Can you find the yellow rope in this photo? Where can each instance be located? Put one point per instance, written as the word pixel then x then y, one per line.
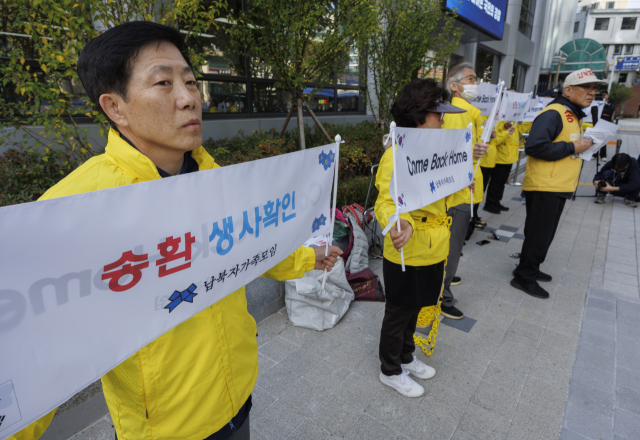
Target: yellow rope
pixel 431 315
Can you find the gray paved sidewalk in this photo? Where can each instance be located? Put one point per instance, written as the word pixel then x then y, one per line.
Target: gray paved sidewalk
pixel 507 371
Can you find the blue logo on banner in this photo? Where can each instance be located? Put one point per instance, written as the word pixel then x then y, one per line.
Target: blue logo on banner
pixel 470 177
pixel 433 187
pixel 468 136
pixel 177 297
pixel 320 221
pixel 326 159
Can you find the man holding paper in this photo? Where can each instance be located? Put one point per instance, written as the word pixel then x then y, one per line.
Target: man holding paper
pixel 552 174
pixel 195 381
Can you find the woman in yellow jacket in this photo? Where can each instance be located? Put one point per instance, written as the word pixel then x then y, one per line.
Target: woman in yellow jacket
pixel 488 161
pixel 424 237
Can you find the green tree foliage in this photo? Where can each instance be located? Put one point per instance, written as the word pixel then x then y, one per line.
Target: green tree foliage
pixel 300 42
pixel 619 94
pixel 405 32
pixel 40 85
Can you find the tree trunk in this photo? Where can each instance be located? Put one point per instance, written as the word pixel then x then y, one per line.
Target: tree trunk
pixel 315 119
pixel 300 124
pixel 286 122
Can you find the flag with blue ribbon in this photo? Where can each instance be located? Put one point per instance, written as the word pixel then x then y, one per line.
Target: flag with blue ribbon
pixel 177 297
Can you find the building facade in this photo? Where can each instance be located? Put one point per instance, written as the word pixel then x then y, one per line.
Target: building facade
pixel 616 26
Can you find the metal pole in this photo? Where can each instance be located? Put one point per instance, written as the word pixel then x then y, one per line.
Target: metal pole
pixel 515 182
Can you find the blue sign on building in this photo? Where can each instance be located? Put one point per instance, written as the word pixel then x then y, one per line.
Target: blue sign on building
pixel 627 63
pixel 487 16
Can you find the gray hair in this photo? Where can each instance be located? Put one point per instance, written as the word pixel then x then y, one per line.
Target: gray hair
pixel 455 74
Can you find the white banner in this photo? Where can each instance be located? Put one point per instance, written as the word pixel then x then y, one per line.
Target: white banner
pixel 536 105
pixel 599 105
pixel 513 106
pixel 487 94
pixel 87 280
pixel 431 164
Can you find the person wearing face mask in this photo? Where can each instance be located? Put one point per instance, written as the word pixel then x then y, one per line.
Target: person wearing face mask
pixel 425 238
pixel 463 84
pixel 552 174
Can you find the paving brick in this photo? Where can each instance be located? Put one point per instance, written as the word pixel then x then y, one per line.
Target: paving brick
pixel 628 329
pixel 347 356
pixel 518 432
pixel 557 375
pixel 600 316
pixel 327 375
pixel 483 423
pixel 456 381
pixel 277 349
pixel 537 418
pixel 495 399
pixel 594 376
pixel 304 397
pixel 447 406
pixel 336 416
pixel 533 331
pixel 544 394
pixel 570 435
pixel 461 435
pixel 506 377
pixel 628 378
pixel 621 289
pixel 368 428
pixel 589 399
pixel 309 430
pixel 627 424
pixel 596 358
pixel 592 426
pixel 598 342
pixel 361 390
pixel 628 279
pixel 628 359
pixel 275 323
pixel 301 361
pixel 628 400
pixel 606 330
pixel 255 435
pixel 277 421
pixel 276 380
pixel 600 304
pixel 260 400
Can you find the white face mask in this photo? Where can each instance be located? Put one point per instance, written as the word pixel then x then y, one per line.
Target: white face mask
pixel 470 92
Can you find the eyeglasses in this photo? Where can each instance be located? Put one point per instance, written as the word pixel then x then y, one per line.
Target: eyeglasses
pixel 588 88
pixel 471 78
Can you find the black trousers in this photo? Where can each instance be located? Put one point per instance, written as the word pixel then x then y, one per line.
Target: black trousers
pixel 396 338
pixel 499 177
pixel 487 175
pixel 543 215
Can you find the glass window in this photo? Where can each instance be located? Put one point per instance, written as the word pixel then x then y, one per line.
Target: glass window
pixel 269 99
pixel 622 78
pixel 576 26
pixel 602 24
pixel 611 5
pixel 347 73
pixel 484 65
pixel 517 77
pixel 526 17
pixel 349 101
pixel 628 49
pixel 629 23
pixel 321 101
pixel 223 97
pixel 605 47
pixel 617 49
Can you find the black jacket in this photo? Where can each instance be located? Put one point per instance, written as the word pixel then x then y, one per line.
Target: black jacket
pixel 546 128
pixel 627 181
pixel 608 111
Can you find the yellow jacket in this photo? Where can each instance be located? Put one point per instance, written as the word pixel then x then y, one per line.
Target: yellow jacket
pixel 462 120
pixel 489 159
pixel 191 381
pixel 559 175
pixel 429 243
pixel 508 150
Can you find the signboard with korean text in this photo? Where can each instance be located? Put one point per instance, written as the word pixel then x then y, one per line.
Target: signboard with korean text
pixel 487 95
pixel 488 16
pixel 628 63
pixel 431 164
pixel 513 106
pixel 536 105
pixel 87 280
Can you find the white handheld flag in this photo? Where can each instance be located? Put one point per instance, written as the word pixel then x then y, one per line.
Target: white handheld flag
pixel 487 95
pixel 513 106
pixel 536 105
pixel 87 280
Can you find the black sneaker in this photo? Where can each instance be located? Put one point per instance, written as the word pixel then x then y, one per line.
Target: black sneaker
pixel 451 312
pixel 532 289
pixel 490 209
pixel 503 208
pixel 540 277
pixel 543 277
pixel 456 281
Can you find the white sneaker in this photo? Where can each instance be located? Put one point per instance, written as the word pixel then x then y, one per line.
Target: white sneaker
pixel 419 369
pixel 403 384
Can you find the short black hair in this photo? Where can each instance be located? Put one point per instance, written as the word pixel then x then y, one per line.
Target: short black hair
pixel 415 100
pixel 621 160
pixel 106 62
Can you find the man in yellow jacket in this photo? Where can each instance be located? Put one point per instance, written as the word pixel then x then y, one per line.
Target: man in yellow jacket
pixel 195 381
pixel 552 174
pixel 462 83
